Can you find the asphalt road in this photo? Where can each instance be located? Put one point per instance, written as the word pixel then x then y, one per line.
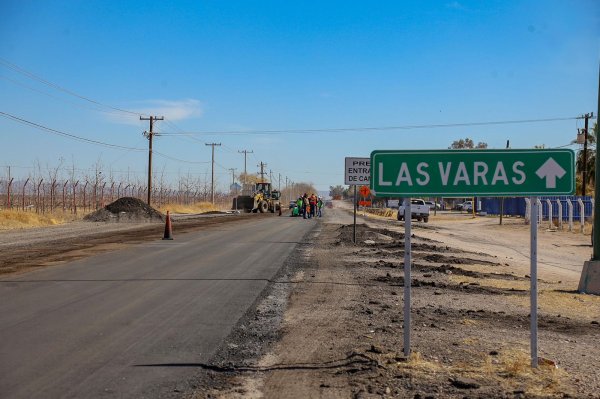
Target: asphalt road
pixel 132 323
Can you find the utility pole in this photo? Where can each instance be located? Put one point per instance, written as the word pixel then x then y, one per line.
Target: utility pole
pixel 212 177
pixel 596 221
pixel 149 135
pixel 279 184
pixel 232 175
pixel 262 171
pixel 245 152
pixel 586 117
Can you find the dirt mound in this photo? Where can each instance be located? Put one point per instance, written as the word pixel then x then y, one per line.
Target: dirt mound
pixel 364 232
pixel 126 209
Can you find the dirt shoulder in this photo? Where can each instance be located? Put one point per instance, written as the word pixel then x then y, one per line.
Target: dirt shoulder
pixel 28 249
pixel 341 333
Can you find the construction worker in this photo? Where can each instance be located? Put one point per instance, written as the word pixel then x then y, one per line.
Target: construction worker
pixel 319 207
pixel 306 206
pixel 313 205
pixel 300 206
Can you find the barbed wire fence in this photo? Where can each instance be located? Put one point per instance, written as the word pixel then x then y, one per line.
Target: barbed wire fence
pixel 83 194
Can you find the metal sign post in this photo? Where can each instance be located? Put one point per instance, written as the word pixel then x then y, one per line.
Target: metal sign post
pixel 357 171
pixel 354 226
pixel 533 286
pixel 407 278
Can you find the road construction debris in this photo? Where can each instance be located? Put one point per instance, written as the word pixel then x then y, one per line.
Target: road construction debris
pixel 126 209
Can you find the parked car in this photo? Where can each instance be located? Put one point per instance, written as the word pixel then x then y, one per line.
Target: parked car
pixel 292 204
pixel 393 203
pixel 433 205
pixel 418 210
pixel 466 206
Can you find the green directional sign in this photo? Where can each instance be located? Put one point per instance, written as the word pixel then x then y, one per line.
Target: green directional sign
pixel 460 173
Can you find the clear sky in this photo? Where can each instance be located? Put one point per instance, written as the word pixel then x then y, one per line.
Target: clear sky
pixel 246 67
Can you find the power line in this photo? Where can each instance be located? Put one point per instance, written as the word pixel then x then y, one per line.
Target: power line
pixel 64 134
pixel 178 129
pixel 30 75
pixel 78 105
pixel 67 168
pixel 179 160
pixel 375 128
pixel 90 141
pixel 220 166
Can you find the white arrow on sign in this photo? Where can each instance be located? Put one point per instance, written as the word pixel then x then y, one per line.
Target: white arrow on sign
pixel 550 170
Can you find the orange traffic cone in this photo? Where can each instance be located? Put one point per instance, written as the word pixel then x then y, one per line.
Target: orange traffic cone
pixel 168 229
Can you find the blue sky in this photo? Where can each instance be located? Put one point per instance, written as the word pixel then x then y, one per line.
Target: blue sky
pixel 243 67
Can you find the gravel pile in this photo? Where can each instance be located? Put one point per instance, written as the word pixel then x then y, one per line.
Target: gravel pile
pixel 126 209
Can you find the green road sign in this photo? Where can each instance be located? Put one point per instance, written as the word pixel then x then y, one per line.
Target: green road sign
pixel 460 173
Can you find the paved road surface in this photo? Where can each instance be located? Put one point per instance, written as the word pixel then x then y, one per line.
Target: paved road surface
pixel 86 329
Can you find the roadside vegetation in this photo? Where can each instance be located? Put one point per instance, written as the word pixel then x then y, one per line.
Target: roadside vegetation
pixel 197 207
pixel 11 219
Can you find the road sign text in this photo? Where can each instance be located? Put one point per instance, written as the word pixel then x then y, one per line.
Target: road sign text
pixel 472 172
pixel 357 171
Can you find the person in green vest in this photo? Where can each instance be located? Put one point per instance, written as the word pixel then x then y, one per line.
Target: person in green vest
pixel 297 210
pixel 300 206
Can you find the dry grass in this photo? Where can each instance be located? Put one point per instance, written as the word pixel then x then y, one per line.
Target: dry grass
pixel 468 322
pixel 380 212
pixel 513 369
pixel 198 207
pixel 418 363
pixel 492 282
pixel 514 364
pixel 573 305
pixel 11 219
pixel 510 370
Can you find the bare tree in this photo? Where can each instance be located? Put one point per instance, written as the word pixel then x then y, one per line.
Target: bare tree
pixel 52 178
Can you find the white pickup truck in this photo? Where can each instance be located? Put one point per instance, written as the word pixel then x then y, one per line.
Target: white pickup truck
pixel 418 210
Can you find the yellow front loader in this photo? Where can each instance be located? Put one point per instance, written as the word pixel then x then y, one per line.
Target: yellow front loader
pixel 263 199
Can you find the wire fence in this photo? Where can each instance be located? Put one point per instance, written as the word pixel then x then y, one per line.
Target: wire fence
pixel 41 196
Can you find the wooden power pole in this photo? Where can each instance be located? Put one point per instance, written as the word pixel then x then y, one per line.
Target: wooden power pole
pixel 212 178
pixel 262 171
pixel 245 152
pixel 232 176
pixel 149 135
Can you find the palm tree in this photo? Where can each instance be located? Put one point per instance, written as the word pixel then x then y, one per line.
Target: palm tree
pixel 590 163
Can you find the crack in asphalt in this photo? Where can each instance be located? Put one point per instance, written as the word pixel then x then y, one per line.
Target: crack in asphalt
pixel 350 360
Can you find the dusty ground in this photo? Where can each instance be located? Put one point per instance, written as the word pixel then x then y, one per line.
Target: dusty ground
pixel 341 332
pixel 330 325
